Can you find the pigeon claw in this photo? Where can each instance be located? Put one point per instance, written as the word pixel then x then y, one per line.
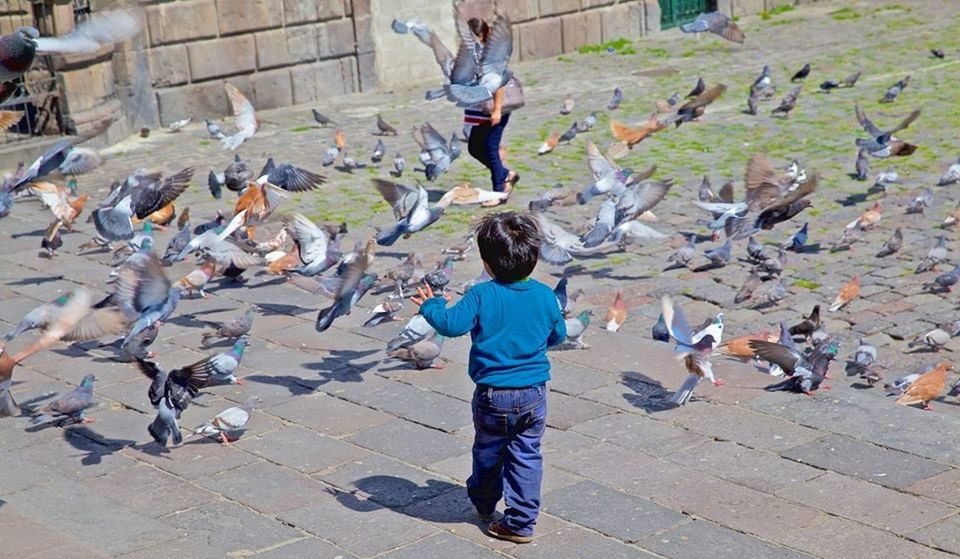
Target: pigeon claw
pixel 719 382
pixel 240 382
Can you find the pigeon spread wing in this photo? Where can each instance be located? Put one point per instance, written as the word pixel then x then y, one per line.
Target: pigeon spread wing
pixel 89 36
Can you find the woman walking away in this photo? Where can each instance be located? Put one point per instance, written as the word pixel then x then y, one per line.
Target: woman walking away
pixel 488 120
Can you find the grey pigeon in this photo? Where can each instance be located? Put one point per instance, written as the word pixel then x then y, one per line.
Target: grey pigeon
pixel 415 330
pixel 864 357
pixel 228 421
pixel 479 70
pixel 755 250
pixel 176 245
pixel 412 208
pixel 934 339
pixel 660 332
pixel 895 90
pixel 330 156
pixel 774 295
pixel 749 286
pixel 717 23
pixel 806 372
pixel 559 246
pixel 69 406
pixel 355 283
pixel 386 310
pixel 862 168
pixel 719 256
pixel 435 153
pixel 952 176
pixel 222 367
pixel 235 328
pixel 587 123
pixel 921 202
pixel 570 134
pixel 775 264
pixel 893 244
pixel 171 393
pixel 290 177
pixel 48 162
pixel 213 129
pixel 886 178
pixel 936 256
pixel 316 249
pixel 39 317
pixel 615 101
pixel 422 353
pixel 946 280
pixel 576 326
pixel 847 238
pixel 788 103
pixel 685 254
pixel 399 164
pixel 378 151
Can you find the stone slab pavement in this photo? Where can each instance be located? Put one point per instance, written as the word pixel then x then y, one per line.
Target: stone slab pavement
pixel 354 455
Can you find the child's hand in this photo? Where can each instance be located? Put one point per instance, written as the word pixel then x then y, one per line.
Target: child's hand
pixel 424 293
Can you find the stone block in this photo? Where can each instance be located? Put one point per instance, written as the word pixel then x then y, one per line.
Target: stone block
pixel 272 89
pixel 86 87
pixel 623 21
pixel 443 545
pixel 557 7
pixel 272 49
pixel 587 4
pixel 302 45
pixel 688 541
pixel 610 512
pixel 943 535
pixel 303 450
pixel 944 487
pixel 758 470
pixel 304 81
pixel 581 29
pixel 652 15
pixel 410 442
pixel 563 412
pixel 364 34
pixel 234 528
pixel 239 16
pixel 540 39
pixel 168 65
pixel 350 74
pixel 518 10
pixel 330 9
pixel 187 20
pixel 336 38
pixel 747 7
pixel 865 461
pixel 571 541
pixel 360 7
pixel 237 55
pixel 385 481
pixel 367 71
pixel 298 11
pixel 338 417
pixel 266 487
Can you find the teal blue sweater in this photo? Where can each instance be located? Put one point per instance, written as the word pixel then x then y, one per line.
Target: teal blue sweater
pixel 511 325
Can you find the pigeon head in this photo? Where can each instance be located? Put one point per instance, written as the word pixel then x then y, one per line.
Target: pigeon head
pixel 241 345
pixel 87 381
pixel 28 34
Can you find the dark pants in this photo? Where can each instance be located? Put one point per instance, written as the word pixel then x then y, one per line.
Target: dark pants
pixel 507 463
pixel 484 146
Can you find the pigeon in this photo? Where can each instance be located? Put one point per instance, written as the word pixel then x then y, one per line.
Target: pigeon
pixel 785 339
pixel 576 326
pixel 945 280
pixel 762 82
pixel 719 256
pixel 886 178
pixel 634 232
pixel 788 103
pixel 171 393
pixel 421 354
pixel 196 280
pixel 776 293
pixel 568 104
pixel 882 143
pixel 926 387
pixel 19 49
pixel 864 357
pixel 935 339
pixel 549 144
pixel 801 74
pixel 222 367
pixel 849 292
pixel 685 254
pixel 48 162
pixel 570 134
pixel 435 153
pixel 666 105
pixel 587 123
pixel 717 23
pixel 290 177
pixel 115 223
pixel 479 70
pixel 749 286
pixel 386 309
pixel 696 107
pixel 213 129
pixel 80 160
pixel 797 240
pixel 330 156
pixel 862 168
pixel 378 151
pixel 178 125
pixel 235 328
pixel 52 240
pixel 143 293
pixel 558 246
pixel 774 265
pixel 868 219
pixel 895 90
pixel 893 244
pixel 952 176
pixel 752 103
pixel 228 421
pixel 900 384
pixel 852 79
pixel 660 331
pixel 936 256
pixel 632 136
pixel 921 202
pixel 808 325
pixel 698 88
pixel 616 314
pixel 411 207
pixel 321 119
pixel 71 406
pixel 938 53
pixel 215 185
pixel 806 372
pixel 39 317
pixel 354 284
pixel 608 177
pixel 829 85
pixel 695 347
pixel 384 128
pixel 615 101
pixel 399 164
pixel 176 244
pixel 244 116
pixel 415 330
pixel 755 250
pixel 317 251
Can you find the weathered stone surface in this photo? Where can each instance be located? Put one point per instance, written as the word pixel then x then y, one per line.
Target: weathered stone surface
pixel 442 545
pixel 273 88
pixel 557 7
pixel 688 540
pixel 755 469
pixel 519 10
pixel 610 512
pixel 944 487
pixel 27 537
pixel 233 528
pixel 176 22
pixel 295 11
pixel 266 487
pixel 581 29
pixel 336 38
pixel 386 481
pixel 865 461
pixel 623 21
pixel 562 542
pixel 943 535
pixel 540 39
pixel 168 65
pixel 565 411
pixel 238 16
pixel 237 55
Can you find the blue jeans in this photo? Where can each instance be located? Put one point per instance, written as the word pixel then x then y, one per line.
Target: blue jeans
pixel 484 146
pixel 507 462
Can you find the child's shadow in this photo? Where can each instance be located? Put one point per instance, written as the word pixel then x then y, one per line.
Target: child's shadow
pixel 394 492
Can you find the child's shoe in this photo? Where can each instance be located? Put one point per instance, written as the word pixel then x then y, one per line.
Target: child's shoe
pixel 501 532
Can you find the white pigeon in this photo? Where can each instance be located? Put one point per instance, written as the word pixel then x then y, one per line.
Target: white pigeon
pixel 229 420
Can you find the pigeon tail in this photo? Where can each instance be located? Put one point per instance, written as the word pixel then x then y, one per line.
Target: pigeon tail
pixel 390 236
pixel 466 96
pixel 685 392
pixel 434 94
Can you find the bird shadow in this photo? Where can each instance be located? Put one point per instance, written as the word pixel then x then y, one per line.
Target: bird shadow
pixel 37 233
pixel 813 248
pixel 394 492
pixel 861 386
pixel 296 385
pixel 276 309
pixel 38 280
pixel 853 199
pixel 708 267
pixel 94 445
pixel 648 394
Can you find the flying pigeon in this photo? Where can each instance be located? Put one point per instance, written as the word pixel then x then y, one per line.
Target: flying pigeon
pixel 715 22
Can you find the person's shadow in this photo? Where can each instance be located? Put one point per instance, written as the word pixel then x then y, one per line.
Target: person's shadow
pixel 437 501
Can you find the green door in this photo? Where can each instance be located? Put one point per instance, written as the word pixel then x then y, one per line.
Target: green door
pixel 675 12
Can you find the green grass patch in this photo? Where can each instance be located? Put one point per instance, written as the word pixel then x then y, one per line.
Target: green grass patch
pixel 566 59
pixel 204 143
pixel 616 46
pixel 656 52
pixel 845 13
pixel 302 128
pixel 788 21
pixel 892 8
pixel 768 14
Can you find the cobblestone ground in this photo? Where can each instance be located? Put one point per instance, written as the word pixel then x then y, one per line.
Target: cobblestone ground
pixel 352 455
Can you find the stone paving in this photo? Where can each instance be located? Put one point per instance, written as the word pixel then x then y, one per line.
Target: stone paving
pixel 352 455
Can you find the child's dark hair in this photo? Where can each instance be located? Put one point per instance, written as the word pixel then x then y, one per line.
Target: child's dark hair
pixel 509 243
pixel 480 28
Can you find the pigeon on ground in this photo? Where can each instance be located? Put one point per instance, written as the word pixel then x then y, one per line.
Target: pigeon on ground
pixel 568 104
pixel 772 296
pixel 399 164
pixel 588 122
pixel 695 347
pixel 422 354
pixel 576 326
pixel 213 129
pixel 755 250
pixel 615 101
pixel 228 421
pixel 921 202
pixel 801 74
pixel 378 151
pixel 717 23
pixel 71 406
pixel 862 166
pixel 952 176
pixel 660 332
pixel 895 90
pixel 806 372
pixel 695 108
pixel 761 82
pixel 330 156
pixel 171 392
pixel 685 254
pixel 321 119
pixel 178 125
pixel 864 357
pixel 885 179
pixel 946 280
pixel 384 128
pixel 808 325
pixel 938 53
pixel 797 240
pixel 415 330
pixel 386 310
pixel 868 219
pixel 719 256
pixel 927 387
pixel 774 265
pixel 935 339
pixel 749 286
pixel 849 292
pixel 936 256
pixel 235 328
pixel 617 313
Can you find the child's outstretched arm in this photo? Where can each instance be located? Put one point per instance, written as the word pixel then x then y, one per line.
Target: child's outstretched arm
pixel 559 333
pixel 455 321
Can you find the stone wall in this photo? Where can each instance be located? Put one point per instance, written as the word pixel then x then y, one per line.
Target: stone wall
pixel 278 52
pixel 752 7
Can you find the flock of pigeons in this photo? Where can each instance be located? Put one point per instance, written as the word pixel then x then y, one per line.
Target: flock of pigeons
pixel 312 257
